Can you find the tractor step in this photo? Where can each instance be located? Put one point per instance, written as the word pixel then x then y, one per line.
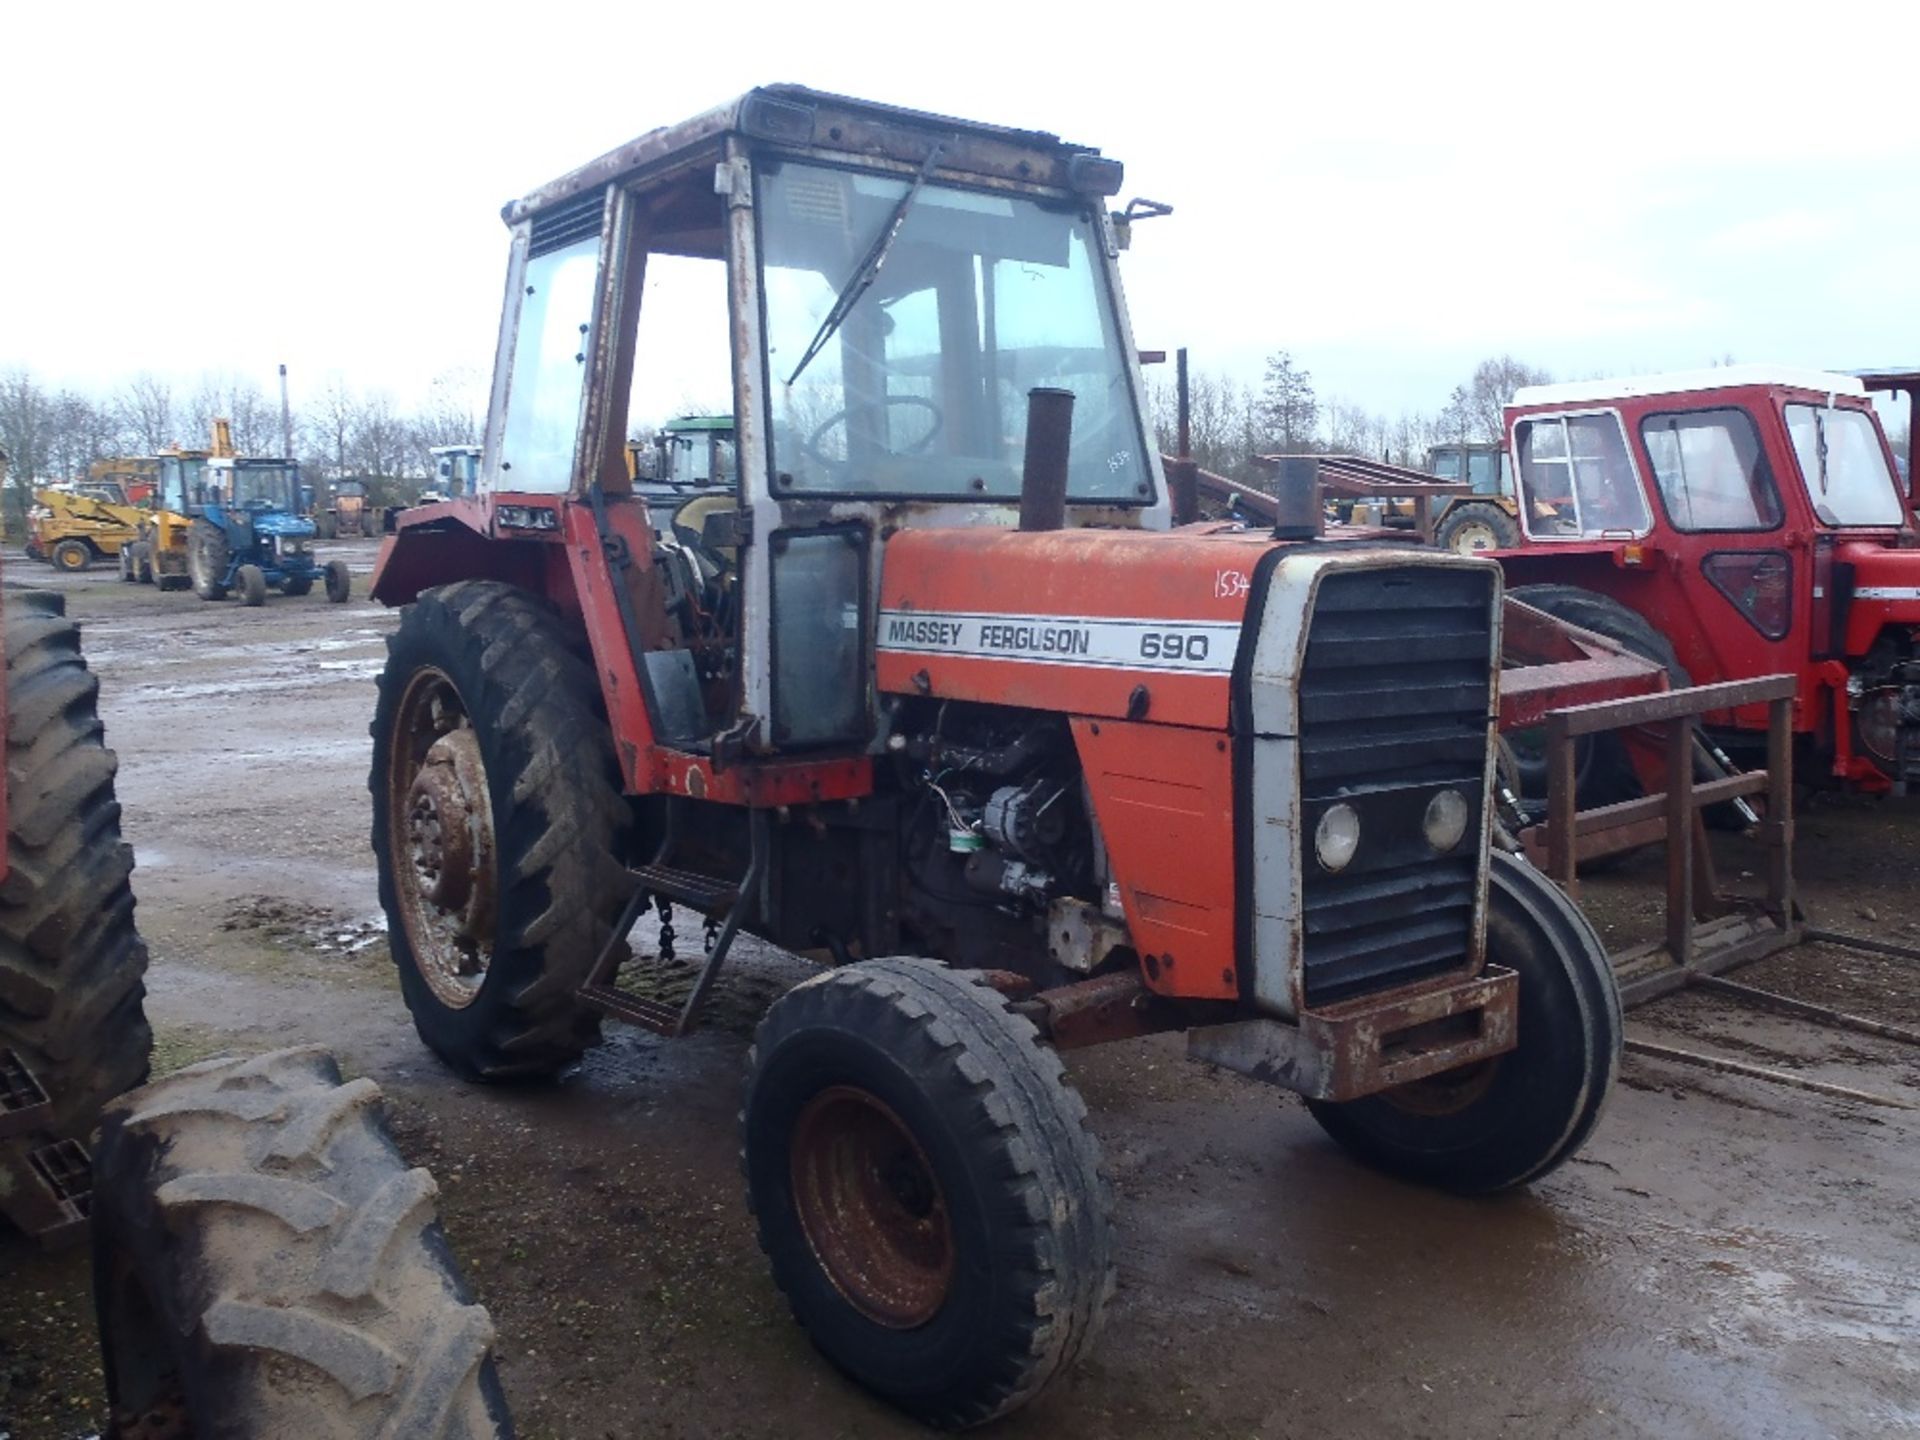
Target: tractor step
pixel 685 887
pixel 655 1015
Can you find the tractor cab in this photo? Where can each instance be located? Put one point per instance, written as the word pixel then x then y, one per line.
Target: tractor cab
pixel 456 472
pixel 1752 517
pixel 182 484
pixel 890 288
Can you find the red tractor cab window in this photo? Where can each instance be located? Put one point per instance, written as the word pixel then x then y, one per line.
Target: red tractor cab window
pixel 1579 478
pixel 1844 466
pixel 1711 470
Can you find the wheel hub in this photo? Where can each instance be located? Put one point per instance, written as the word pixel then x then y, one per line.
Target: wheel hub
pixel 450 834
pixel 871 1207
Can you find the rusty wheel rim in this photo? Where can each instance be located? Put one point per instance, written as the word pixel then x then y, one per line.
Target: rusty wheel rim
pixel 440 839
pixel 1447 1093
pixel 871 1208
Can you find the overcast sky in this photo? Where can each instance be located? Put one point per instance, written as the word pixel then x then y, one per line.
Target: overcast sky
pixel 1390 192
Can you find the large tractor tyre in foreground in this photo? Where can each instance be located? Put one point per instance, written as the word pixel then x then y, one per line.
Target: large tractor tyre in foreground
pixel 1604 772
pixel 339 582
pixel 72 555
pixel 265 1264
pixel 1476 525
pixel 925 1188
pixel 1507 1121
pixel 70 959
pixel 499 828
pixel 208 556
pixel 253 586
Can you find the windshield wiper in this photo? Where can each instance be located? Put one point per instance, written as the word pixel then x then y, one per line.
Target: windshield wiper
pixel 868 270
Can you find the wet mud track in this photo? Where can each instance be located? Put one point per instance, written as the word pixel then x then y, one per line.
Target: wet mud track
pixel 1726 1258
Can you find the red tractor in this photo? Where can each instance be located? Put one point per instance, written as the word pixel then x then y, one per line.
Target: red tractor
pixel 960 713
pixel 1731 523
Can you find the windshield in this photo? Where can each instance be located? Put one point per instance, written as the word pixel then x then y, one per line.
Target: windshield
pixel 1844 466
pixel 264 487
pixel 921 389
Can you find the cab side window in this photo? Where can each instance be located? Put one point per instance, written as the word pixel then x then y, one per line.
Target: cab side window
pixel 1711 470
pixel 1579 479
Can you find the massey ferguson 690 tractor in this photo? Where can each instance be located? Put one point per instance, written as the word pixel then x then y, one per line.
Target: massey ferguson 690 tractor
pixel 942 698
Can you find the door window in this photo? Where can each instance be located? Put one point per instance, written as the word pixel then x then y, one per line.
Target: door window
pixel 1711 470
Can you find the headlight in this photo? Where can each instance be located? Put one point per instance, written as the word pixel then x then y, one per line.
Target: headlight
pixel 1336 837
pixel 1446 822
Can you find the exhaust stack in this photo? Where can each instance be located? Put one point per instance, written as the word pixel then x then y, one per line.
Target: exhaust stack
pixel 1043 480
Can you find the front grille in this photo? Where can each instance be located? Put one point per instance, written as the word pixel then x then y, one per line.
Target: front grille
pixel 1393 705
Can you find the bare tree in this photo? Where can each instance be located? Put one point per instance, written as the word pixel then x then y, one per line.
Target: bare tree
pixel 145 410
pixel 254 416
pixel 26 431
pixel 1488 393
pixel 1288 405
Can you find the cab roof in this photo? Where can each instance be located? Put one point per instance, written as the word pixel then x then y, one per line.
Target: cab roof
pixel 1680 382
pixel 796 116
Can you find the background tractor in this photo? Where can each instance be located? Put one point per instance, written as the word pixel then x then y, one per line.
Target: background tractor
pixel 250 535
pixel 962 716
pixel 158 554
pixel 70 528
pixel 1729 524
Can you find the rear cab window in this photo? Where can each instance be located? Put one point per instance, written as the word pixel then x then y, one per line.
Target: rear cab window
pixel 1579 479
pixel 1844 466
pixel 1711 470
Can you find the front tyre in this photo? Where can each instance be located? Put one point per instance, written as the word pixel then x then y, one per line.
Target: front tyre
pixel 1507 1121
pixel 499 828
pixel 253 586
pixel 72 556
pixel 339 582
pixel 926 1189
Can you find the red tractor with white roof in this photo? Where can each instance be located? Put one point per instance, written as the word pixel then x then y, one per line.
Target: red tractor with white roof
pixel 1731 523
pixel 942 696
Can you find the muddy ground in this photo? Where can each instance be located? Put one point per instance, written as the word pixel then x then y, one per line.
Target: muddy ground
pixel 1728 1257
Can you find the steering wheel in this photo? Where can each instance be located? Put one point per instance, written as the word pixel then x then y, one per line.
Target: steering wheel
pixel 811 446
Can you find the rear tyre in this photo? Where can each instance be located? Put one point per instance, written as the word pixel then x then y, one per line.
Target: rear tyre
pixel 253 586
pixel 266 1264
pixel 72 555
pixel 1509 1120
pixel 339 582
pixel 925 1188
pixel 144 562
pixel 208 556
pixel 499 828
pixel 71 960
pixel 1476 526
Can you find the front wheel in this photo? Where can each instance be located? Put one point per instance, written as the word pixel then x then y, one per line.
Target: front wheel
pixel 1504 1122
pixel 253 586
pixel 129 575
pixel 926 1189
pixel 1477 525
pixel 339 582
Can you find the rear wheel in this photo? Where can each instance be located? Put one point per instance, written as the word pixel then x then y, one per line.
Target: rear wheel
pixel 339 582
pixel 72 555
pixel 265 1264
pixel 253 586
pixel 1507 1121
pixel 71 960
pixel 925 1188
pixel 499 828
pixel 1475 526
pixel 208 556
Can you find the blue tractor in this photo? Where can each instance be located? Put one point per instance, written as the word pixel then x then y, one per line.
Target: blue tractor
pixel 249 535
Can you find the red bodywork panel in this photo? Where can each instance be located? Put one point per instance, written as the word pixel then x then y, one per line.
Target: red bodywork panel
pixel 1071 621
pixel 1157 792
pixel 1661 576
